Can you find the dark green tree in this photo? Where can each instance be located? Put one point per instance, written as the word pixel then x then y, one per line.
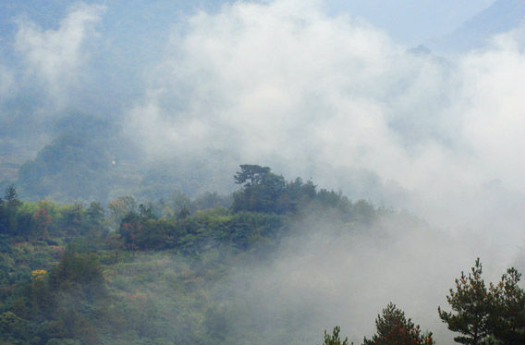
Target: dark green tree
pixel 10 209
pixel 508 311
pixel 261 189
pixel 472 308
pixel 94 220
pixel 3 216
pixel 394 329
pixel 129 229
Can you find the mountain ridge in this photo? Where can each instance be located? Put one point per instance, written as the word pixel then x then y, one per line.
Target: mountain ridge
pixel 502 16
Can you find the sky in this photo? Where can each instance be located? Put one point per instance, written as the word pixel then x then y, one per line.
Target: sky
pixel 326 90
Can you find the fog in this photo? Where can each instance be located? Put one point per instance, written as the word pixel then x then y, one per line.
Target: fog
pixel 329 96
pixel 336 100
pixel 327 277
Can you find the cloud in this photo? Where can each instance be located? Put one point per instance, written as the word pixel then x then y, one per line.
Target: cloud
pixel 493 114
pixel 324 276
pixel 53 57
pixel 282 83
pixel 7 82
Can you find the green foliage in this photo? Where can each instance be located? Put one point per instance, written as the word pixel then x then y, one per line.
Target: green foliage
pixel 151 268
pixel 119 208
pixel 394 329
pixel 334 338
pixel 78 269
pixel 471 305
pixel 9 211
pixel 509 311
pixel 484 315
pixel 13 329
pixel 261 189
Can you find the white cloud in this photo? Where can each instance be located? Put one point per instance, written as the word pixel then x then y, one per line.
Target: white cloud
pixel 55 56
pixel 7 82
pixel 494 121
pixel 283 82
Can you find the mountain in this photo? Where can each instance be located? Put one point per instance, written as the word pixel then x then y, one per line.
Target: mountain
pixel 502 16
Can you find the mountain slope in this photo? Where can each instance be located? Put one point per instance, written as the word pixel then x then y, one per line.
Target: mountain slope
pixel 500 17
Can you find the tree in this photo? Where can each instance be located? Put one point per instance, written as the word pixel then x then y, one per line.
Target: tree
pixel 11 197
pixel 487 315
pixel 394 329
pixel 119 208
pixel 42 222
pixel 72 218
pixel 129 229
pixel 470 303
pixel 3 216
pixel 334 339
pixel 251 175
pixel 261 189
pixel 10 208
pixel 94 222
pixel 508 312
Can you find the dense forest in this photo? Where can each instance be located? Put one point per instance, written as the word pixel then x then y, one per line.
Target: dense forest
pixel 158 272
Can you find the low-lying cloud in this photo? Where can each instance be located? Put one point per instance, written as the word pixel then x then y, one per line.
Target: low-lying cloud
pixel 326 277
pixel 54 57
pixel 284 84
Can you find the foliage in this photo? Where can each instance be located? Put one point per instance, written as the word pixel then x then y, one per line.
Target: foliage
pixel 394 329
pixel 334 338
pixel 509 311
pixel 472 306
pixel 261 189
pixel 148 272
pixel 484 314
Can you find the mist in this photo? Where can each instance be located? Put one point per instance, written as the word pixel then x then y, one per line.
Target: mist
pixel 313 92
pixel 336 100
pixel 327 276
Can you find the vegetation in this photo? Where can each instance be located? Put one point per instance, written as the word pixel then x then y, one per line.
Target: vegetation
pixel 394 329
pixel 334 338
pixel 147 273
pixel 486 314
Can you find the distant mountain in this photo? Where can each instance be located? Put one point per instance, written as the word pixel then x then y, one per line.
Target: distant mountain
pixel 500 17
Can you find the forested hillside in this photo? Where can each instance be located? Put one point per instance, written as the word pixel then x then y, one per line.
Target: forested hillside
pixel 147 273
pixel 167 271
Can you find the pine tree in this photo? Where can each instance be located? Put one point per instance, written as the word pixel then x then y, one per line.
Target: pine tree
pixel 334 339
pixel 472 308
pixel 508 310
pixel 394 329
